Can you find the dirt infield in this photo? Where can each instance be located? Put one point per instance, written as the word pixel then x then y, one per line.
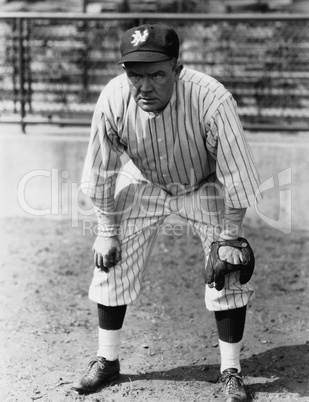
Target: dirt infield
pixel 170 349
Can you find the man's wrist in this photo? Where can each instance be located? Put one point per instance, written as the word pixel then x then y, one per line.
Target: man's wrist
pixel 232 223
pixel 231 231
pixel 108 230
pixel 227 236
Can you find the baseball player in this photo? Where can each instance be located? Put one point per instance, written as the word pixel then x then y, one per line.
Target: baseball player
pixel 187 156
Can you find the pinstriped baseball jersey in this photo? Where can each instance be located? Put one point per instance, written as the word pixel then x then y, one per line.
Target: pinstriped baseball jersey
pixel 196 140
pixel 197 134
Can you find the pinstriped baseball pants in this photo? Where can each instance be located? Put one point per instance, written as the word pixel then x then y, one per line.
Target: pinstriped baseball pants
pixel 141 208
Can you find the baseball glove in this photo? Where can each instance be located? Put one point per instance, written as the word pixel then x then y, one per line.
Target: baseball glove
pixel 216 269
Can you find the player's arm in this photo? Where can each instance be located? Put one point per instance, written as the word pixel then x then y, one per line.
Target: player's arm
pixel 235 169
pixel 101 168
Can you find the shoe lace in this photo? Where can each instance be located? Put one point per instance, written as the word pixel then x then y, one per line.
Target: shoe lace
pixel 232 382
pixel 95 365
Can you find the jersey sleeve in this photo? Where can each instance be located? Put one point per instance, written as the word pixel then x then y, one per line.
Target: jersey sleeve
pixel 235 166
pixel 101 166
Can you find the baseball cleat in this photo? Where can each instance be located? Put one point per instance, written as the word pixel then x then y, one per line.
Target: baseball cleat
pixel 100 372
pixel 233 387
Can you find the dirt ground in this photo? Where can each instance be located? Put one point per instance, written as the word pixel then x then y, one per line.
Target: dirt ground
pixel 170 348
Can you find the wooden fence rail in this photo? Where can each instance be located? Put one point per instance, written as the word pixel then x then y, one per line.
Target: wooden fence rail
pixel 53 66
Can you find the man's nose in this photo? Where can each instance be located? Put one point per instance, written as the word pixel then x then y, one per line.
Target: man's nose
pixel 146 85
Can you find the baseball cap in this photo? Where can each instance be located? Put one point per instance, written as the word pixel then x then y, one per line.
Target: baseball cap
pixel 149 43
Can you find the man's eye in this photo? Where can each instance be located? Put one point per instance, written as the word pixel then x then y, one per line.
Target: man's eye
pixel 135 77
pixel 158 77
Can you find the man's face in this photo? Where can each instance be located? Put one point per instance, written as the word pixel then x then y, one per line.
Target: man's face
pixel 151 84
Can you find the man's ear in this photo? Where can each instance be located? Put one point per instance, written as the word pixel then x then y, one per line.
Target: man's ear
pixel 178 69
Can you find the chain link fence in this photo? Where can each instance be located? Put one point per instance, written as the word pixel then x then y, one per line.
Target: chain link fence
pixel 52 69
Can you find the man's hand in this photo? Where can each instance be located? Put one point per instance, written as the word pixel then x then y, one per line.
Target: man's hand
pixel 230 254
pixel 222 261
pixel 106 252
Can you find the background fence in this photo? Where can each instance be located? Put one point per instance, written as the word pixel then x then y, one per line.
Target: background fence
pixel 53 67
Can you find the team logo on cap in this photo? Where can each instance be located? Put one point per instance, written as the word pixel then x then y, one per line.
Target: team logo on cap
pixel 139 37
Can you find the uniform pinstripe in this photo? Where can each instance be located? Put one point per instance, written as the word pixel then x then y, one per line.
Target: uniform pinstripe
pixel 189 160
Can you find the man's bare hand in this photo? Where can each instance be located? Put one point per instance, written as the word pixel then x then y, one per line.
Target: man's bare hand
pixel 230 254
pixel 106 252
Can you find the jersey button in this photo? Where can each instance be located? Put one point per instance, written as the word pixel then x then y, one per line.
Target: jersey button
pixel 161 157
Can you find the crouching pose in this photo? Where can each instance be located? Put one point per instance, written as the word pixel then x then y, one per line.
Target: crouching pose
pixel 188 156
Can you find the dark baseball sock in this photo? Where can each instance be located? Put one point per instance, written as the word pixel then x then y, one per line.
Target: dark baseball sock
pixel 231 324
pixel 111 318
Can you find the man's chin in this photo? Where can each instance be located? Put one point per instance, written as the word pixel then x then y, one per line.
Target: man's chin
pixel 148 106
